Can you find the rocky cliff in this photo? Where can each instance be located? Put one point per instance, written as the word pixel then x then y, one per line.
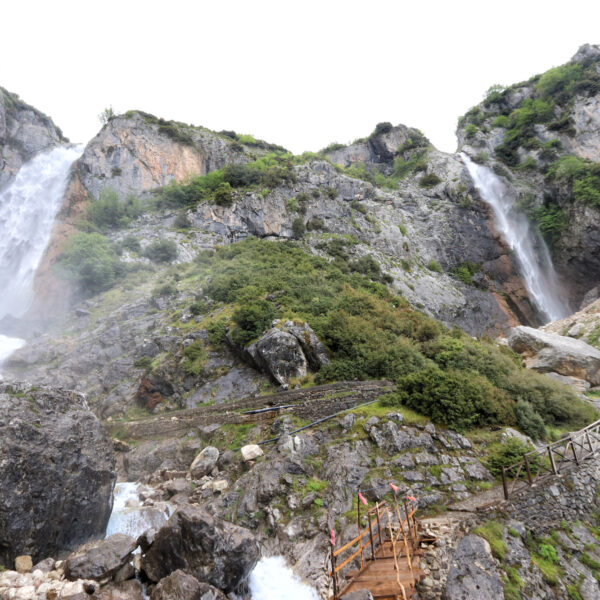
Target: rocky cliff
pixel 24 132
pixel 541 136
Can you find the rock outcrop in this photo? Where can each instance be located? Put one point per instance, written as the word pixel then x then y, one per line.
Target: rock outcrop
pixel 549 352
pixel 24 132
pixel 56 472
pixel 181 586
pixel 212 550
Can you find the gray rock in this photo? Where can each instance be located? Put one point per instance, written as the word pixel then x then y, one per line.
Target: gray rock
pixel 205 462
pixel 181 586
pixel 547 352
pixel 56 472
pixel 213 551
pixel 473 573
pixel 280 355
pixel 358 595
pixel 477 471
pixel 100 559
pixel 313 348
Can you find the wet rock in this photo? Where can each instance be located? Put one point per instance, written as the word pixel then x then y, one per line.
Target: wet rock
pixel 181 586
pixel 212 550
pixel 473 573
pixel 101 559
pixel 205 462
pixel 56 472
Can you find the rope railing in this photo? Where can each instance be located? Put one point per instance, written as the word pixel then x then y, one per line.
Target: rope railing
pixel 539 465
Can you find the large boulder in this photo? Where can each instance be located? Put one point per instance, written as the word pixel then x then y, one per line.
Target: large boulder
pixel 549 352
pixel 100 559
pixel 279 354
pixel 57 472
pixel 205 462
pixel 212 550
pixel 313 348
pixel 473 572
pixel 181 586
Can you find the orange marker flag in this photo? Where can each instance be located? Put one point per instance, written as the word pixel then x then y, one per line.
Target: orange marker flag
pixel 394 487
pixel 412 498
pixel 332 537
pixel 362 499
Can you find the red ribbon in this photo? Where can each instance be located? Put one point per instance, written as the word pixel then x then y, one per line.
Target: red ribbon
pixel 362 499
pixel 332 537
pixel 412 498
pixel 394 487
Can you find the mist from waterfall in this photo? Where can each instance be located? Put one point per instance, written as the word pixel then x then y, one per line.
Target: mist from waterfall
pixel 28 207
pixel 530 249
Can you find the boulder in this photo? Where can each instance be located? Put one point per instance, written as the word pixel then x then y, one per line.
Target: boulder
pixel 57 472
pixel 127 590
pixel 579 385
pixel 100 559
pixel 212 550
pixel 279 354
pixel 205 462
pixel 251 451
pixel 181 586
pixel 23 564
pixel 547 352
pixel 313 348
pixel 473 572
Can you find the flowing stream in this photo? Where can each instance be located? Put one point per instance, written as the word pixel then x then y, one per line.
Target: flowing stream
pixel 28 207
pixel 530 249
pixel 271 579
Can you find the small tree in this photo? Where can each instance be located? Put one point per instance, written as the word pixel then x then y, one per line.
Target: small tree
pixel 106 115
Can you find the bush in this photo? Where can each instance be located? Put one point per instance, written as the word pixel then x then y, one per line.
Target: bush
pixel 182 221
pixel 470 131
pixel 194 358
pixel 434 265
pixel 131 243
pixel 381 128
pixel 164 290
pixel 251 321
pixel 529 421
pixel 108 212
pixel 91 261
pixel 161 251
pixel 298 228
pixel 509 453
pixel 429 180
pixel 223 195
pixel 456 399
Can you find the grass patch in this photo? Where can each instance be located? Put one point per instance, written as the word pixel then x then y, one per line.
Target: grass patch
pixel 493 532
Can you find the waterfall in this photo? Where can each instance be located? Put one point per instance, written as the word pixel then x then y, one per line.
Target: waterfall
pixel 530 249
pixel 28 207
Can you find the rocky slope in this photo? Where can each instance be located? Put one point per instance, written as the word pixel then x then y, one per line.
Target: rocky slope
pixel 24 132
pixel 542 137
pixel 56 472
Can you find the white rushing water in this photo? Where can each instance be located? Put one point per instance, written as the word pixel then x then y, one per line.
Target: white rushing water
pixel 28 207
pixel 271 579
pixel 529 247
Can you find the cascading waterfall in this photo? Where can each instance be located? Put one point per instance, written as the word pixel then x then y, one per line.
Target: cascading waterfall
pixel 529 247
pixel 28 207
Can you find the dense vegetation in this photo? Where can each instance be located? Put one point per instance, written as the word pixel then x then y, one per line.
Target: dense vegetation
pixel 372 333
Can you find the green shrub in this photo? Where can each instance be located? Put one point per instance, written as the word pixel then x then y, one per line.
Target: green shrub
pixel 251 321
pixel 529 421
pixel 199 307
pixel 164 290
pixel 429 180
pixel 501 121
pixel 223 195
pixel 434 265
pixel 493 532
pixel 548 553
pixel 381 128
pixel 298 228
pixel 508 453
pixel 217 331
pixel 182 221
pixel 131 243
pixel 91 261
pixel 194 358
pixel 470 131
pixel 161 251
pixel 108 212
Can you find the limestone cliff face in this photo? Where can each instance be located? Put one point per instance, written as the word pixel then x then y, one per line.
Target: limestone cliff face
pixel 24 132
pixel 523 133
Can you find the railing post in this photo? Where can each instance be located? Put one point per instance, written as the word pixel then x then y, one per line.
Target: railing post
pixel 371 536
pixel 527 469
pixel 504 484
pixel 574 450
pixel 552 463
pixel 407 518
pixel 333 572
pixel 379 527
pixel 589 441
pixel 362 561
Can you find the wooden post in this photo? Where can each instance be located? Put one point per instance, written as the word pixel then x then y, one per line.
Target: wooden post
pixel 371 536
pixel 504 484
pixel 362 561
pixel 552 463
pixel 379 527
pixel 406 512
pixel 527 469
pixel 589 441
pixel 333 573
pixel 574 451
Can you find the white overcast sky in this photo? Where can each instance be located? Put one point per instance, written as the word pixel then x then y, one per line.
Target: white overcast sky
pixel 300 73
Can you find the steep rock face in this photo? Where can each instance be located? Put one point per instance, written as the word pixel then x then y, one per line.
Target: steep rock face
pixel 24 132
pixel 56 472
pixel 523 133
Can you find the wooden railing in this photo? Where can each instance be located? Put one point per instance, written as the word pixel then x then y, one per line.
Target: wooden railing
pixel 539 465
pixel 382 520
